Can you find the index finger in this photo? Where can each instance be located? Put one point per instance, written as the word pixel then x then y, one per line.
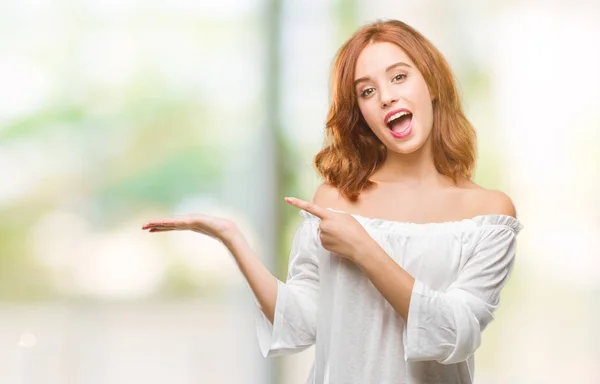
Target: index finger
pixel 309 207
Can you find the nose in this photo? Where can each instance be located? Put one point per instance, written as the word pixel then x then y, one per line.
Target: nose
pixel 387 98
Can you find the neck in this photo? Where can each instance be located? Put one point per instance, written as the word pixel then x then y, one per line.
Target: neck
pixel 415 169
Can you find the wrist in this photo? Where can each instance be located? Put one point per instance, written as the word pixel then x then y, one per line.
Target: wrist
pixel 363 250
pixel 233 238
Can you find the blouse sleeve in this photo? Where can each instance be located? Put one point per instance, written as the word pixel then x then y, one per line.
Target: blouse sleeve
pixel 446 326
pixel 295 320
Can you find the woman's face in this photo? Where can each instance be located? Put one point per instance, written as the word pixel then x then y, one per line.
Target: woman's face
pixel 393 97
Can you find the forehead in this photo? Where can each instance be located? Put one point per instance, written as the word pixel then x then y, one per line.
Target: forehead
pixel 378 56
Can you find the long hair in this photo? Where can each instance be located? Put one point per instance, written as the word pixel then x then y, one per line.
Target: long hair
pixel 352 152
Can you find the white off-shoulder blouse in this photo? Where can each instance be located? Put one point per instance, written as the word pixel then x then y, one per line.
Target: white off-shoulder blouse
pixel 459 268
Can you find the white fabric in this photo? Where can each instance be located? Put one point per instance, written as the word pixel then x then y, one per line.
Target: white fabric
pixel 459 268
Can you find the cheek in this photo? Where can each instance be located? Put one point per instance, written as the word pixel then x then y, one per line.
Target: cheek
pixel 367 112
pixel 425 97
pixel 425 106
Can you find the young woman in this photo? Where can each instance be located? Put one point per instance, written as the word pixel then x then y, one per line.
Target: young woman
pixel 400 259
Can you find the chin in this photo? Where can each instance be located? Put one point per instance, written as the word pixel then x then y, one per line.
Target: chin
pixel 404 149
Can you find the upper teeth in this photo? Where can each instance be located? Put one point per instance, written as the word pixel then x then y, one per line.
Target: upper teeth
pixel 397 116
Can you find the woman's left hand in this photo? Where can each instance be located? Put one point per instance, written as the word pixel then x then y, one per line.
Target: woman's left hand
pixel 340 233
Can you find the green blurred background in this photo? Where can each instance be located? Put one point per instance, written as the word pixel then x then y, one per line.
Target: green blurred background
pixel 116 112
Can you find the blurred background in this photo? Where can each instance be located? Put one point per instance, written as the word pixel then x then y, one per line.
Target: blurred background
pixel 114 112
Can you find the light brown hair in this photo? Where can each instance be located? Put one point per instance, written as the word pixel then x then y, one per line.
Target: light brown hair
pixel 352 152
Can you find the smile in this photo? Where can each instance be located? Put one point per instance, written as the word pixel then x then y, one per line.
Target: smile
pixel 399 122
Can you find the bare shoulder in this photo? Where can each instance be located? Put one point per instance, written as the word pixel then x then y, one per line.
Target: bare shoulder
pixel 489 201
pixel 328 196
pixel 500 203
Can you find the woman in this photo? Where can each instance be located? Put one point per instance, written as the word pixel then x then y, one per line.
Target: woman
pixel 399 262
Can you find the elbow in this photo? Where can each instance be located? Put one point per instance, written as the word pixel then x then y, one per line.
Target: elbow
pixel 466 340
pixel 453 336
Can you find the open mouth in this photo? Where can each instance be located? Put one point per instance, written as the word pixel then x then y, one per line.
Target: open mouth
pixel 399 122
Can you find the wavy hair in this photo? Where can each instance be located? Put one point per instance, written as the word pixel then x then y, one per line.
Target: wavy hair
pixel 352 152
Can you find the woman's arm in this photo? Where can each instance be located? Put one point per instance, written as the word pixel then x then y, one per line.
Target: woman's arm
pixel 394 283
pixel 260 279
pixel 446 326
pixel 286 316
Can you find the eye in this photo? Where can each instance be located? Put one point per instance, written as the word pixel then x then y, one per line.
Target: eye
pixel 367 92
pixel 399 77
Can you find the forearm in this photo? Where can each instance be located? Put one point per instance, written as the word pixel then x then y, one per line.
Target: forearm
pixel 261 280
pixel 394 283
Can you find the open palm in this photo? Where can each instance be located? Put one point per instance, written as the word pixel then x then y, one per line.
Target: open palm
pixel 212 226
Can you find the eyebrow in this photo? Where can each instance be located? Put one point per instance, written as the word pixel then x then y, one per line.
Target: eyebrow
pixel 398 64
